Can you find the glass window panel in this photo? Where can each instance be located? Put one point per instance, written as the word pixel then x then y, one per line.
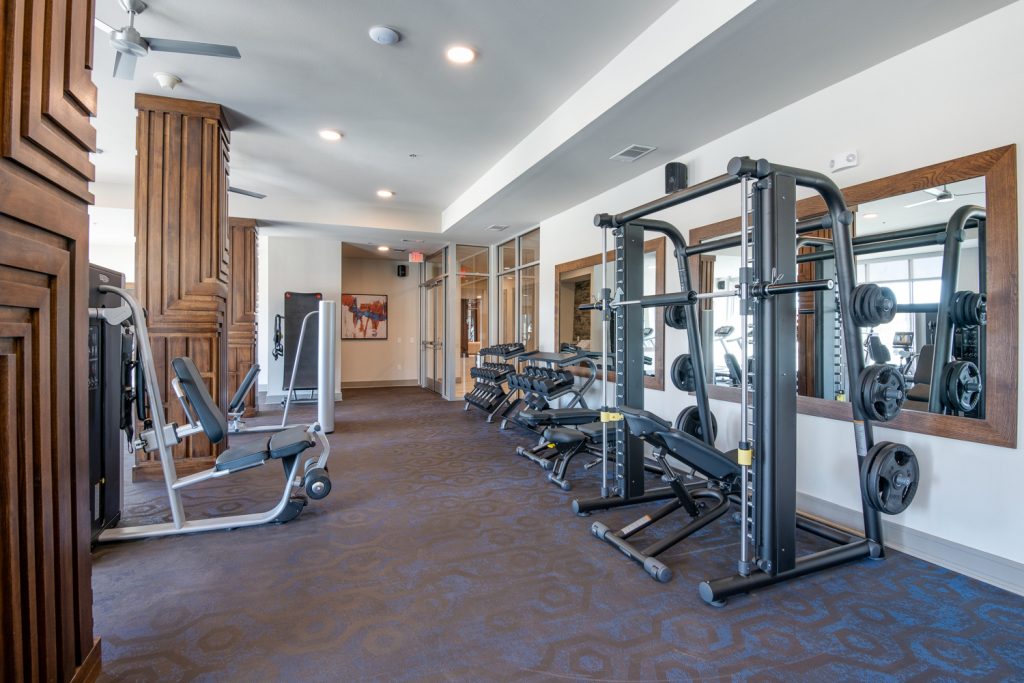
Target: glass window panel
pixel 473 313
pixel 861 270
pixel 929 266
pixel 926 291
pixel 529 303
pixel 507 255
pixel 507 308
pixel 472 259
pixel 435 264
pixel 880 271
pixel 901 290
pixel 529 247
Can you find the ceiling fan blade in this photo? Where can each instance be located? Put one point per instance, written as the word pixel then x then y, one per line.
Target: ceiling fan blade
pixel 124 66
pixel 247 193
pixel 934 190
pixel 187 47
pixel 927 201
pixel 106 28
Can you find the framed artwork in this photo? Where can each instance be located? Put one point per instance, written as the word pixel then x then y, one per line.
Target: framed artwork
pixel 364 316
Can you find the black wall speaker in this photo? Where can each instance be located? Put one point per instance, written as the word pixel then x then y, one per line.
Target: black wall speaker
pixel 403 270
pixel 675 176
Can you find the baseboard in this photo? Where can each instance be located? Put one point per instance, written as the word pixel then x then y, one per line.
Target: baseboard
pixel 265 398
pixel 977 564
pixel 89 669
pixel 381 383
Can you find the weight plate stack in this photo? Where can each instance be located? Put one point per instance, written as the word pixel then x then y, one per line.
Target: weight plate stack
pixel 872 305
pixel 968 309
pixel 882 390
pixel 675 317
pixel 689 423
pixel 682 373
pixel 890 475
pixel 961 386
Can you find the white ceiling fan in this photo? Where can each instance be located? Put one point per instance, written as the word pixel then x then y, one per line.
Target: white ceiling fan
pixel 247 193
pixel 943 195
pixel 130 44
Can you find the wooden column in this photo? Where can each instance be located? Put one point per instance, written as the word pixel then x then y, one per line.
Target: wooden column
pixel 181 250
pixel 46 98
pixel 242 307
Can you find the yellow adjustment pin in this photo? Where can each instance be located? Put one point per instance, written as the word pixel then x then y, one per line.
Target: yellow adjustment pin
pixel 745 456
pixel 610 417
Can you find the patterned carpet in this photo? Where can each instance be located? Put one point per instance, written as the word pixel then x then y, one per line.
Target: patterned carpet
pixel 442 556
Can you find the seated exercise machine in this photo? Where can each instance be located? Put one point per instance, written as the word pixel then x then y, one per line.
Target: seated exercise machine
pixel 204 416
pixel 764 470
pixel 323 318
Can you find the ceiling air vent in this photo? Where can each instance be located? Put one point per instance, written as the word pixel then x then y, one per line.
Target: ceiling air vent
pixel 632 153
pixel 497 228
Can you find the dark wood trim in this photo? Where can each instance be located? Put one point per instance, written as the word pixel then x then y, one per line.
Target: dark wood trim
pixel 174 105
pixel 90 668
pixel 999 167
pixel 657 246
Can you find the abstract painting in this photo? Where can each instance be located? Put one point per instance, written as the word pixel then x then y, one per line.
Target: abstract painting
pixel 364 316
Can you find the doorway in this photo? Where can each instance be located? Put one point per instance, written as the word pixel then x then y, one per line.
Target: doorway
pixel 433 356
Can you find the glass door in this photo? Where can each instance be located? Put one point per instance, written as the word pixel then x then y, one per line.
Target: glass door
pixel 433 335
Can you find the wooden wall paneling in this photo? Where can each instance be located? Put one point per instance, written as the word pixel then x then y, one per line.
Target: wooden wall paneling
pixel 242 306
pixel 46 99
pixel 181 229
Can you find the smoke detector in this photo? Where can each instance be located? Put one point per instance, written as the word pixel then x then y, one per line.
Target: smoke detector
pixel 167 81
pixel 384 35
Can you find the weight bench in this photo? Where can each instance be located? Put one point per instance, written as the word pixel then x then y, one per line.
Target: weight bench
pixel 567 433
pixel 704 500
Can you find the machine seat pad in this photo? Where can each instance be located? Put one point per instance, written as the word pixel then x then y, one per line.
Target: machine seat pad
pixel 560 416
pixel 564 435
pixel 242 457
pixel 594 430
pixel 290 442
pixel 643 423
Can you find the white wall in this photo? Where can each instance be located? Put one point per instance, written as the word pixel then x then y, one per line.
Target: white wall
pixel 396 359
pixel 112 239
pixel 289 264
pixel 905 113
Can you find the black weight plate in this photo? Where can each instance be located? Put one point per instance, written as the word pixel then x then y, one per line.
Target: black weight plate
pixel 682 373
pixel 882 392
pixel 675 317
pixel 689 423
pixel 890 476
pixel 962 386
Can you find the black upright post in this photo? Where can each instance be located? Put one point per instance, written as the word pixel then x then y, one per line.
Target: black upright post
pixel 629 356
pixel 775 376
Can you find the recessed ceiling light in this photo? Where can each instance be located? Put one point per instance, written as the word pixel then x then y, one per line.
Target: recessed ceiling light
pixel 383 248
pixel 460 54
pixel 869 216
pixel 331 135
pixel 385 194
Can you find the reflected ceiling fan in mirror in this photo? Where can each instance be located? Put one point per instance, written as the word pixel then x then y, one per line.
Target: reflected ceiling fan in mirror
pixel 247 193
pixel 130 44
pixel 943 195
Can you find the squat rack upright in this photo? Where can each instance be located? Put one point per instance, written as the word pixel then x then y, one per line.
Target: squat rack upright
pixel 768 291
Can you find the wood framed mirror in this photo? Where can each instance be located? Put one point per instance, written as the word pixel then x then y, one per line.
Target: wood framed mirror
pixel 988 257
pixel 578 282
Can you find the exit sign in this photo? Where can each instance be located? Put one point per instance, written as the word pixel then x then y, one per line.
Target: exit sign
pixel 415 257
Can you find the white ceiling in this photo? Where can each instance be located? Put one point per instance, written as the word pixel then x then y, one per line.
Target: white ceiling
pixel 893 213
pixel 310 65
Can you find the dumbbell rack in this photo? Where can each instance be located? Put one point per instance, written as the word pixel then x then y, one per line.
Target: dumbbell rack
pixel 490 374
pixel 545 378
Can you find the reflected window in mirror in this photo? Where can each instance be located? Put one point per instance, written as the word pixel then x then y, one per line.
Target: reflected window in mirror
pixel 579 282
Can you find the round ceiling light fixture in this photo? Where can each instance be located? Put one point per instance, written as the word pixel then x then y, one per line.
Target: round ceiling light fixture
pixel 330 135
pixel 383 248
pixel 384 35
pixel 385 194
pixel 460 54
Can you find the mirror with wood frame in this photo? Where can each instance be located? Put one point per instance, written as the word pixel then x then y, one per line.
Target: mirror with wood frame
pixel 900 229
pixel 579 282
